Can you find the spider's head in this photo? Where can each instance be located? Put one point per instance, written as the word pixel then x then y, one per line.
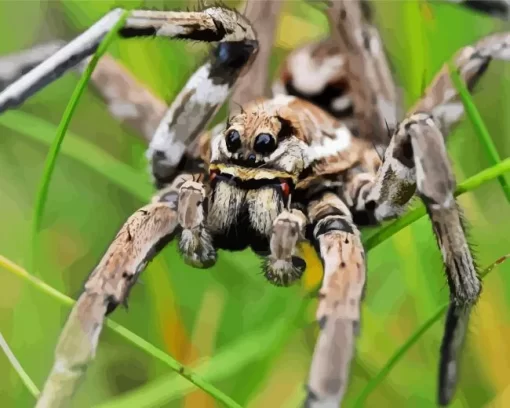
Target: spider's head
pixel 257 161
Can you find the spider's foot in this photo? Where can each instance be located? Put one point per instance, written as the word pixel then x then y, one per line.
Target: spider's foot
pixel 197 248
pixel 283 272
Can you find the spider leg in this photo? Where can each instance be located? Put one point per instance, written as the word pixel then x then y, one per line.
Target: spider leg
pixel 416 159
pixel 456 324
pixel 139 240
pixel 495 8
pixel 128 100
pixel 337 240
pixel 373 91
pixel 201 97
pixel 143 235
pixel 441 98
pixel 195 243
pixel 58 63
pixel 213 24
pixel 16 64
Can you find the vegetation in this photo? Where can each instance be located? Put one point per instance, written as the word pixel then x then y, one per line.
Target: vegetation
pixel 241 335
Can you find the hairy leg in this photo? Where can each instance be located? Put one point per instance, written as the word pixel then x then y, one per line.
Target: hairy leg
pixel 142 236
pixel 213 24
pixel 416 160
pixel 128 100
pixel 195 242
pixel 338 242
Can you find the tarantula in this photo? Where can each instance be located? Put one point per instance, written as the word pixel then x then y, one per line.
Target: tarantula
pixel 302 165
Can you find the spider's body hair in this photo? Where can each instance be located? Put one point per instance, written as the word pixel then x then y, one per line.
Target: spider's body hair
pixel 250 188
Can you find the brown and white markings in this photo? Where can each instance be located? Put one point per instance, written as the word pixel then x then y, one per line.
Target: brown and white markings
pixel 302 165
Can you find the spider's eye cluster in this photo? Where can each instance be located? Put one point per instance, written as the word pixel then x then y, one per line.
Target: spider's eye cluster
pixel 233 140
pixel 264 143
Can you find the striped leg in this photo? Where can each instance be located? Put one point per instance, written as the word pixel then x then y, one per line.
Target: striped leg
pixel 441 98
pixel 213 24
pixel 202 96
pixel 338 242
pixel 416 159
pixel 128 100
pixel 173 210
pixel 14 66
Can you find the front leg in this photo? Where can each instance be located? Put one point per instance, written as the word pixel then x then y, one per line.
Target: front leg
pixel 338 242
pixel 139 240
pixel 143 235
pixel 416 159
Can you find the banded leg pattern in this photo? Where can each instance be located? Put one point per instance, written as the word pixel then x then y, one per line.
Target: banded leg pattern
pixel 338 242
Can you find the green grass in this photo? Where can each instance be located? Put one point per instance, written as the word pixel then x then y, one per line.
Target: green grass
pixel 24 377
pixel 41 131
pixel 411 341
pixel 241 336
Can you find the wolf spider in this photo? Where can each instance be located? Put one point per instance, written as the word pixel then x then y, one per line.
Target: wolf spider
pixel 301 165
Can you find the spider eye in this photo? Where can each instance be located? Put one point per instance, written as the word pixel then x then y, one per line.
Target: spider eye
pixel 233 140
pixel 264 143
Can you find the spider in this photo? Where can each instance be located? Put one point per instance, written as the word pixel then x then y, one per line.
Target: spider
pixel 302 165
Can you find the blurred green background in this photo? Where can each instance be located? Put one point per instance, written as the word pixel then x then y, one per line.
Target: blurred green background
pixel 250 338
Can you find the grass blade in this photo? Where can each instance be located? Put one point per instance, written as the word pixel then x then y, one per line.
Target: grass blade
pixel 49 165
pixel 248 350
pixel 412 340
pixel 479 125
pixel 32 388
pixel 123 332
pixel 386 232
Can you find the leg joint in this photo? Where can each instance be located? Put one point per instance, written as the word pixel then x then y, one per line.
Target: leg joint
pixel 333 223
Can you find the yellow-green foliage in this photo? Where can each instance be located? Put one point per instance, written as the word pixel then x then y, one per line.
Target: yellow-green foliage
pixel 250 339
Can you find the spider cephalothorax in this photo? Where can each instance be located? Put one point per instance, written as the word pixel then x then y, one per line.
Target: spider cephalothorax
pixel 270 157
pixel 301 165
pixel 255 164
